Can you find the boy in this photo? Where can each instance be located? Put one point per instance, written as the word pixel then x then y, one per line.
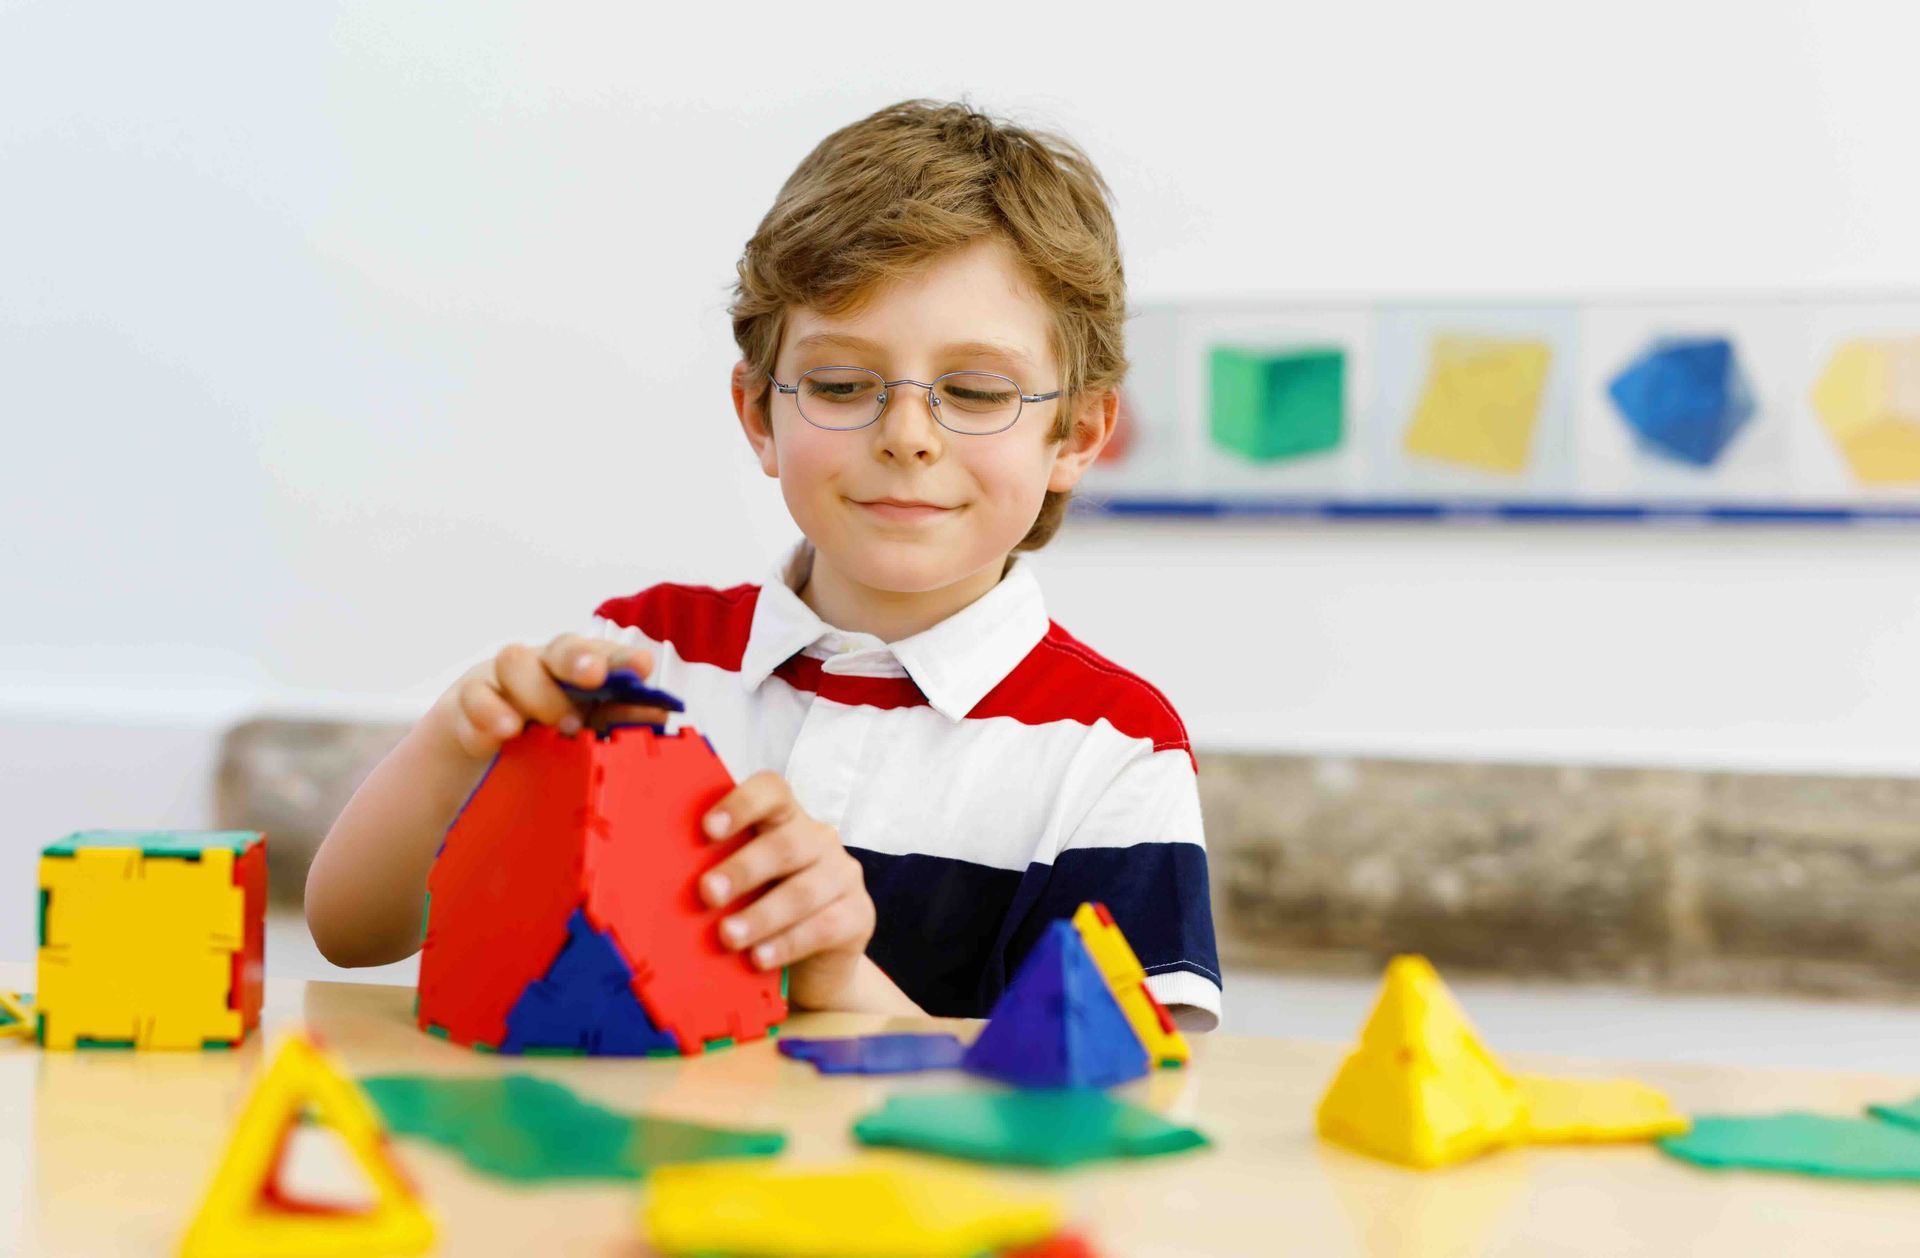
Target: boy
pixel 930 326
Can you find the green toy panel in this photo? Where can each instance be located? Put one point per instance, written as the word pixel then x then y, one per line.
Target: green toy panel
pixel 523 1128
pixel 1031 1127
pixel 189 843
pixel 1907 1115
pixel 1808 1144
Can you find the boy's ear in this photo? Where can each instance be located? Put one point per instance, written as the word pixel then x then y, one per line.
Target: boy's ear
pixel 748 386
pixel 1093 421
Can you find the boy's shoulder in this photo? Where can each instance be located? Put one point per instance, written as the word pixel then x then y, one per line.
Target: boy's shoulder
pixel 1062 678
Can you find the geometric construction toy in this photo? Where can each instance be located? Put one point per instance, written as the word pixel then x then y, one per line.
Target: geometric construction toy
pixel 1481 403
pixel 854 1211
pixel 522 1128
pixel 246 1213
pixel 151 939
pixel 563 910
pixel 1868 399
pixel 16 1015
pixel 1907 1115
pixel 1685 398
pixel 1587 1111
pixel 877 1054
pixel 1421 1089
pixel 1057 1024
pixel 1266 405
pixel 1808 1144
pixel 1031 1127
pixel 1128 982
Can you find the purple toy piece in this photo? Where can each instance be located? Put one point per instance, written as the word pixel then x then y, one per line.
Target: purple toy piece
pixel 877 1054
pixel 623 685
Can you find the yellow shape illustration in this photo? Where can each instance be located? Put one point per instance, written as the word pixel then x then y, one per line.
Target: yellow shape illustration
pixel 245 1213
pixel 138 949
pixel 1127 979
pixel 1583 1111
pixel 1481 404
pixel 1421 1089
pixel 1868 400
pixel 865 1210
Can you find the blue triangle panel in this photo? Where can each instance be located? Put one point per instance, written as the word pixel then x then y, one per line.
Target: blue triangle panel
pixel 584 1002
pixel 1057 1025
pixel 1685 399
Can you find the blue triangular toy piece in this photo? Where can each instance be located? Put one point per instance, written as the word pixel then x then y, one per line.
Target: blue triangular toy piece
pixel 584 1002
pixel 1057 1025
pixel 876 1054
pixel 1685 398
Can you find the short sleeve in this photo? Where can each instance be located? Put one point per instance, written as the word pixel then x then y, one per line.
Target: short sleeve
pixel 1140 851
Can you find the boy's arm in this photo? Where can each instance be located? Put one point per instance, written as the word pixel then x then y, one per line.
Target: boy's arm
pixel 369 879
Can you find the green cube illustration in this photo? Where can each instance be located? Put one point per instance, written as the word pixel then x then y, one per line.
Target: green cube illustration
pixel 1277 404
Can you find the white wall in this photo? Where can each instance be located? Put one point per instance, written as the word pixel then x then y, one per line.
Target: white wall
pixel 339 345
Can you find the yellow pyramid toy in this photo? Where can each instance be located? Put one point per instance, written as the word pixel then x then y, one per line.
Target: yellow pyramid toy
pixel 245 1213
pixel 1128 982
pixel 1421 1089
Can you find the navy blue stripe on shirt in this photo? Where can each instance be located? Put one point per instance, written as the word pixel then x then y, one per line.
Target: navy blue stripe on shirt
pixel 953 933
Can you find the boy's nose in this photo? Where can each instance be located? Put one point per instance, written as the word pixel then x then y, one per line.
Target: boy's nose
pixel 907 430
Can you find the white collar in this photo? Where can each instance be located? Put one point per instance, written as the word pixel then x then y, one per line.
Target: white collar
pixel 955 663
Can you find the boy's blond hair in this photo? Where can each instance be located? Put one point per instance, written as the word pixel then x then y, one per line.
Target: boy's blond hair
pixel 879 199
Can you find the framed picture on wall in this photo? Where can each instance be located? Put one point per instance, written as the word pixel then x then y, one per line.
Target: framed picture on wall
pixel 1739 410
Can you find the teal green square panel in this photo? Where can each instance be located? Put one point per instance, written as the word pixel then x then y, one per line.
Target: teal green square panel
pixel 1277 404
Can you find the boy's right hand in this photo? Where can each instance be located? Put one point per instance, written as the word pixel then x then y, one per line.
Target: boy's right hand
pixel 496 699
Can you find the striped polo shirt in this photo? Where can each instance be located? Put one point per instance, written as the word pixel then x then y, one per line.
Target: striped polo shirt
pixel 989 773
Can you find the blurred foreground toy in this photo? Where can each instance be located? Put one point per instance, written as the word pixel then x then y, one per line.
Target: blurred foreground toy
pixel 865 1210
pixel 1127 979
pixel 877 1054
pixel 151 939
pixel 563 908
pixel 1422 1090
pixel 246 1214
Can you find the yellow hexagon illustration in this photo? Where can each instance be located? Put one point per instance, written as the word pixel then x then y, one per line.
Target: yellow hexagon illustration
pixel 1868 400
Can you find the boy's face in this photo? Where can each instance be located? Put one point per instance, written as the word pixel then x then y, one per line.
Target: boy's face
pixel 971 309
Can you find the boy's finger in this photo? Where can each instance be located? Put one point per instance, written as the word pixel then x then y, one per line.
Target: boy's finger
pixel 471 740
pixel 764 800
pixel 770 854
pixel 490 715
pixel 807 892
pixel 842 922
pixel 530 688
pixel 585 662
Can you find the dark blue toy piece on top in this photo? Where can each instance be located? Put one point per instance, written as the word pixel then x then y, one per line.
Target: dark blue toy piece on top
pixel 624 686
pixel 1057 1025
pixel 1685 398
pixel 877 1054
pixel 585 1003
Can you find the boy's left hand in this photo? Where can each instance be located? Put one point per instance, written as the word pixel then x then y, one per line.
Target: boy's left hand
pixel 816 917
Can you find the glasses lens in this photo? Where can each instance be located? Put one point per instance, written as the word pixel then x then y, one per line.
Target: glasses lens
pixel 841 397
pixel 978 401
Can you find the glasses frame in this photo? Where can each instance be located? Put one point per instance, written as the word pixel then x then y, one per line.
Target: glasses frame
pixel 933 399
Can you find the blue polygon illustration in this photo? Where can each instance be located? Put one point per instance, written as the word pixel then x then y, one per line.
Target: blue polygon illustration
pixel 1057 1025
pixel 584 1002
pixel 1685 398
pixel 877 1054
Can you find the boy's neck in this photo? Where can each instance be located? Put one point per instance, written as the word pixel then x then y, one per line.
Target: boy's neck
pixel 889 615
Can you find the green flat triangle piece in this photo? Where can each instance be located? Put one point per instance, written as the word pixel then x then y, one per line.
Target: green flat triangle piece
pixel 1031 1127
pixel 1807 1144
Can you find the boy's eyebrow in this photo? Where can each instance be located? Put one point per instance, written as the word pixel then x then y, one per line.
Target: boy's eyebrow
pixel 842 340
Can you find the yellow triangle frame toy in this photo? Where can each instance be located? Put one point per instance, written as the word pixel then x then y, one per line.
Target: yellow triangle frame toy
pixel 244 1211
pixel 20 1021
pixel 1128 982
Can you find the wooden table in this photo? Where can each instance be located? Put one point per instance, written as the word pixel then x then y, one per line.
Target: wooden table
pixel 111 1151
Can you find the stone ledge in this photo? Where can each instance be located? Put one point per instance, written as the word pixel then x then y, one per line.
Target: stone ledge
pixel 1670 878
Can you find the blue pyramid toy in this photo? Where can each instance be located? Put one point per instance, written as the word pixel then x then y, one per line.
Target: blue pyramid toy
pixel 1685 398
pixel 584 1003
pixel 1057 1025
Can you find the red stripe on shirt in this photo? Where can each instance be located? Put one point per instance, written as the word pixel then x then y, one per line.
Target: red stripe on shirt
pixel 1063 679
pixel 803 672
pixel 705 625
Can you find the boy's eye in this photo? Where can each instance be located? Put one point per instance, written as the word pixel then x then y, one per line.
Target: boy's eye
pixel 841 386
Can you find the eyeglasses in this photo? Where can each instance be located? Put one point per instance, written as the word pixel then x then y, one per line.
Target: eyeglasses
pixel 975 403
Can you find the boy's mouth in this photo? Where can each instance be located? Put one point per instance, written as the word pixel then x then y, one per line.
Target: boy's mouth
pixel 906 510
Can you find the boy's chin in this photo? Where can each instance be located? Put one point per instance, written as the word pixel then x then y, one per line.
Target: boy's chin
pixel 901 567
